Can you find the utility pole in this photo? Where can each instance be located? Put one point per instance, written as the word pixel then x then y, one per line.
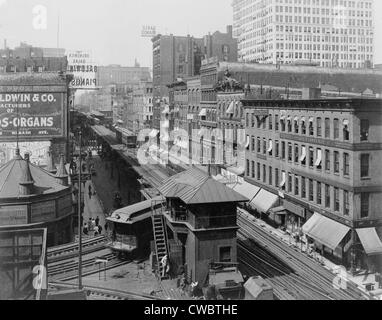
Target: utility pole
pixel 79 217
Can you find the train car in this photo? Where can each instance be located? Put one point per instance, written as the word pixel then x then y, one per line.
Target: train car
pixel 132 229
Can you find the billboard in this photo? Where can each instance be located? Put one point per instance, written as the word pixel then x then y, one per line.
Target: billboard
pixel 38 151
pixel 31 115
pixel 148 31
pixel 82 66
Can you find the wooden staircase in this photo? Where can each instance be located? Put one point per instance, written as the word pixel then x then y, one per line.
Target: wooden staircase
pixel 160 238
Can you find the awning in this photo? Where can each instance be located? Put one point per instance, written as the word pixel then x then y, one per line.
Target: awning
pixel 231 108
pixel 370 241
pixel 247 190
pixel 203 113
pixel 247 142
pixel 283 181
pixel 236 170
pixel 346 123
pixel 319 158
pixel 289 118
pixel 311 119
pixel 326 231
pixel 296 119
pixel 264 201
pixel 303 120
pixel 279 211
pixel 270 146
pixel 166 110
pixel 303 155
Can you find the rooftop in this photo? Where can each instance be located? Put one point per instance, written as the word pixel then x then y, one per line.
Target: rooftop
pixel 19 171
pixel 33 79
pixel 196 187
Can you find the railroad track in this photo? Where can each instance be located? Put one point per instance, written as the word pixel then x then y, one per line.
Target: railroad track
pixel 69 251
pixel 318 276
pixel 98 293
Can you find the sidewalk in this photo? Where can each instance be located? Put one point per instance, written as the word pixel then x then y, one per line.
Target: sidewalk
pixel 360 281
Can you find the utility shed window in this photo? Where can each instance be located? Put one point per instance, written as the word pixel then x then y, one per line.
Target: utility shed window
pixel 225 254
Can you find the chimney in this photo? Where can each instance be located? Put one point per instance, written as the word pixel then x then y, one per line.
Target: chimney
pixel 26 181
pixel 229 30
pixel 50 164
pixel 62 175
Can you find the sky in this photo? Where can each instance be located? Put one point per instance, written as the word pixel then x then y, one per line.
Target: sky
pixel 111 29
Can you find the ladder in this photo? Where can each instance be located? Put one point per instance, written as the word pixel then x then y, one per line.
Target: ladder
pixel 160 237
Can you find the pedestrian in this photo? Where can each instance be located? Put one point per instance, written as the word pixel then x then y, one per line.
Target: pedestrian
pixel 97 221
pixel 86 231
pixel 93 224
pixel 99 229
pixel 90 189
pixel 106 226
pixel 90 224
pixel 96 231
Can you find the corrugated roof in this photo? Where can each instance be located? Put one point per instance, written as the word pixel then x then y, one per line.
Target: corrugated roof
pixel 196 187
pixel 11 175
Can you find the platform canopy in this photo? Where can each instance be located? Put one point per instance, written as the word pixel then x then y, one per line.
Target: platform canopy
pixel 370 241
pixel 326 231
pixel 196 187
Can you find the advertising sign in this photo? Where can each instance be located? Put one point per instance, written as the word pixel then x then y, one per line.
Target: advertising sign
pixel 38 151
pixel 13 215
pixel 82 66
pixel 149 31
pixel 31 115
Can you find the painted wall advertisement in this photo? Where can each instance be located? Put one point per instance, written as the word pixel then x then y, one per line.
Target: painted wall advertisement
pixel 82 66
pixel 31 116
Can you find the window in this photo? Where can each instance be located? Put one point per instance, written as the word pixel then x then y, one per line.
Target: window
pixel 225 254
pixel 365 199
pixel 311 127
pixel 327 128
pixel 289 124
pixel 327 196
pixel 365 158
pixel 283 180
pixel 253 120
pixel 346 164
pixel 289 182
pixel 296 186
pixel 303 155
pixel 270 122
pixel 336 200
pixel 346 203
pixel 277 149
pixel 282 123
pixel 276 122
pixel 303 187
pixel 248 168
pixel 283 150
pixel 319 127
pixel 264 173
pixel 258 171
pixel 319 193
pixel 303 127
pixel 258 122
pixel 346 130
pixel 264 146
pixel 327 160
pixel 290 152
pixel 336 162
pixel 253 144
pixel 318 162
pixel 270 147
pixel 311 157
pixel 296 153
pixel 311 196
pixel 270 176
pixel 296 126
pixel 253 169
pixel 277 177
pixel 258 145
pixel 365 126
pixel 336 126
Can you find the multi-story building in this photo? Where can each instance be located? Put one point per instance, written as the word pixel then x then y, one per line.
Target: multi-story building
pixel 143 104
pixel 27 58
pixel 117 74
pixel 319 162
pixel 328 33
pixel 181 57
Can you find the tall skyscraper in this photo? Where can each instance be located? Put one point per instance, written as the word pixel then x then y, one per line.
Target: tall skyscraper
pixel 328 33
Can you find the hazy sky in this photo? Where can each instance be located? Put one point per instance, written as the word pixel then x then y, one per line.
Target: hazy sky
pixel 111 29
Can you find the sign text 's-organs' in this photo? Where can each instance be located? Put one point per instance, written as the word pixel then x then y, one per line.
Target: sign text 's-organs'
pixel 32 115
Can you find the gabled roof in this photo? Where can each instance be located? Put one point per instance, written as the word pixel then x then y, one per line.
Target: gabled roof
pixel 13 173
pixel 196 187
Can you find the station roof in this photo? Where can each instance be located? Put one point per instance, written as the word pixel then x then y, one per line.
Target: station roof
pixel 19 171
pixel 196 187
